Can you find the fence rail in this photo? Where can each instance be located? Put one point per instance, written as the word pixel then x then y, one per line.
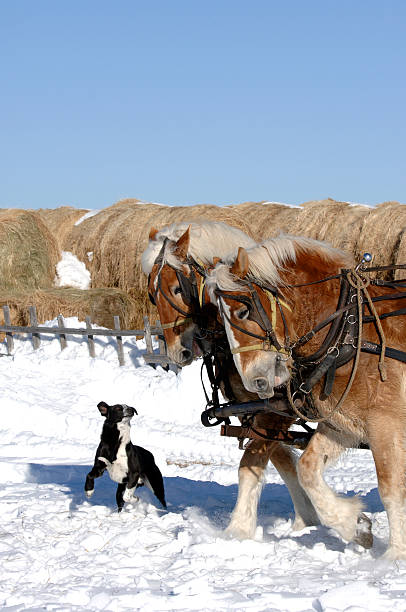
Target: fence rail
pixel 89 332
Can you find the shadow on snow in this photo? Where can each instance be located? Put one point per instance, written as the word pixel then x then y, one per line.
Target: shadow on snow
pixel 213 500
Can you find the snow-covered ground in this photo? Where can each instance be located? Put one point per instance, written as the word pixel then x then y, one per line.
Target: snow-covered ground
pixel 60 551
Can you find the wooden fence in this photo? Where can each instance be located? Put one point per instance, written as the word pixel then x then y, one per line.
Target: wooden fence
pixel 150 357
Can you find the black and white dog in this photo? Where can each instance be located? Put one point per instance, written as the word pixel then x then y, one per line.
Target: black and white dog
pixel 129 465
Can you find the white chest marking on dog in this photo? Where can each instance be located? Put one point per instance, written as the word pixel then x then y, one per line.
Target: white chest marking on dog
pixel 118 469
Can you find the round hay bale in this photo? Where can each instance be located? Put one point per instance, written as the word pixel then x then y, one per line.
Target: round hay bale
pixel 60 221
pixel 267 219
pixel 28 251
pixel 100 304
pixel 335 222
pixel 400 254
pixel 381 235
pixel 112 241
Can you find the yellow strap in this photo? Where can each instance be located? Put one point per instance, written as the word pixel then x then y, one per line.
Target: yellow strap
pixel 264 346
pixel 201 289
pixel 176 323
pixel 272 299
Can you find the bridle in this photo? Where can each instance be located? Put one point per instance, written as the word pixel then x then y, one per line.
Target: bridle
pixel 188 286
pixel 258 314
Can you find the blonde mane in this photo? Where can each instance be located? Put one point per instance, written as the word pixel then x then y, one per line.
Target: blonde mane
pixel 208 239
pixel 268 258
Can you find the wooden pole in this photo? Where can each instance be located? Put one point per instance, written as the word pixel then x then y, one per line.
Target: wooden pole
pixel 90 341
pixel 9 335
pixel 161 340
pixel 62 335
pixel 36 341
pixel 120 349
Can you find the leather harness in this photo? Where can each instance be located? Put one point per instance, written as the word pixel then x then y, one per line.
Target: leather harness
pixel 337 348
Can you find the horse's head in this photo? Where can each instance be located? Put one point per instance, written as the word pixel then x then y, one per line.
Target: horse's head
pixel 256 318
pixel 173 286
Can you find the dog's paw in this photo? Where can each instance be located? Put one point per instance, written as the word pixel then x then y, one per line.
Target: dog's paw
pixel 128 494
pixel 89 492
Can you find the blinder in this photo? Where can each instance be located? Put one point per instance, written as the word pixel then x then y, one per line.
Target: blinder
pixel 188 287
pixel 258 315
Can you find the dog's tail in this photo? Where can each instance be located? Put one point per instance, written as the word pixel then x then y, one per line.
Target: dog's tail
pixel 155 482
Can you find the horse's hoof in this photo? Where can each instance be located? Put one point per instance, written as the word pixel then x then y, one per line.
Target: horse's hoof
pixel 363 533
pixel 89 493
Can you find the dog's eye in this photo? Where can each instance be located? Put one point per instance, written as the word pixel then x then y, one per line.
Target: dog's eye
pixel 242 313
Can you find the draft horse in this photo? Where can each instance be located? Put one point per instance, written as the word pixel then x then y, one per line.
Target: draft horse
pixel 299 315
pixel 176 260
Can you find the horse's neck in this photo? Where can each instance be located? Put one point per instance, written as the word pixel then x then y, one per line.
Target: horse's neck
pixel 312 303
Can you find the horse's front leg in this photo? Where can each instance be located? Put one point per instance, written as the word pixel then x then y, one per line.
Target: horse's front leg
pixel 250 478
pixel 343 514
pixel 243 521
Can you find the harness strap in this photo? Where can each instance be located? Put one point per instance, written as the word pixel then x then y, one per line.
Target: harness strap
pixel 264 346
pixel 376 349
pixel 176 323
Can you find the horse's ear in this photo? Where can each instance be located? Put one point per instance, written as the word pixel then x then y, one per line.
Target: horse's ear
pixel 182 245
pixel 215 261
pixel 152 233
pixel 241 264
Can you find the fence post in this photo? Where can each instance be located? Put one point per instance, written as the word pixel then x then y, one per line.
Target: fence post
pixel 161 340
pixel 62 335
pixel 120 350
pixel 148 337
pixel 9 335
pixel 90 341
pixel 34 323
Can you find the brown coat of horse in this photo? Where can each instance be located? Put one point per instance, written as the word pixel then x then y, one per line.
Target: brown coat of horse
pixel 183 337
pixel 373 412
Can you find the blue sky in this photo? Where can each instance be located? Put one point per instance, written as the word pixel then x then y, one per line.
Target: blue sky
pixel 186 102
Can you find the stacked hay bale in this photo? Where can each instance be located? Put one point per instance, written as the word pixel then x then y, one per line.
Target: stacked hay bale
pixel 354 228
pixel 60 221
pixel 28 251
pixel 267 219
pixel 100 304
pixel 111 242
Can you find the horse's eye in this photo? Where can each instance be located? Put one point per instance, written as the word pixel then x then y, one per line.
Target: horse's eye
pixel 242 313
pixel 177 290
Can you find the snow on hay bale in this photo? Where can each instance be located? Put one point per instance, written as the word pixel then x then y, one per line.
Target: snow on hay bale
pixel 28 251
pixel 100 304
pixel 60 221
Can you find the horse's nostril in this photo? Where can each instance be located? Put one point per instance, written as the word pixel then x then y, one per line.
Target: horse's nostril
pixel 186 354
pixel 260 383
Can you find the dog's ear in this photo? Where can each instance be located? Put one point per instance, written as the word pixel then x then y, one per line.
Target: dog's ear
pixel 103 408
